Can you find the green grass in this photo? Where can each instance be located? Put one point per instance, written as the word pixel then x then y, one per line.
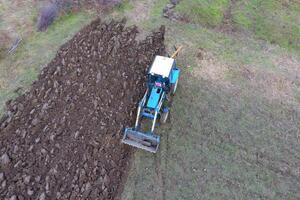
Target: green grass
pixel 156 11
pixel 210 149
pixel 20 69
pixel 224 141
pixel 273 21
pixel 211 153
pixel 227 139
pixel 209 13
pixel 126 6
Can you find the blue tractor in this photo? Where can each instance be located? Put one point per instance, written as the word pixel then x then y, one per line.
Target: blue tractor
pixel 162 81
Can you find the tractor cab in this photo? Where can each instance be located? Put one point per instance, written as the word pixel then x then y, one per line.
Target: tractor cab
pixel 159 80
pixel 165 72
pixel 161 71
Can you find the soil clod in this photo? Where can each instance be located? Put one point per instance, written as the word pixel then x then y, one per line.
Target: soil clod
pixel 61 139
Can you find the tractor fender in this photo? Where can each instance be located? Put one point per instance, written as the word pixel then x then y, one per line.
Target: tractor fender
pixel 175 75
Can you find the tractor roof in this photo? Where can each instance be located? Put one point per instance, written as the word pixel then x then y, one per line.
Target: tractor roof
pixel 162 66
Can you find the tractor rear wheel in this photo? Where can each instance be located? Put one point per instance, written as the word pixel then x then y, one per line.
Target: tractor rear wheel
pixel 174 87
pixel 164 117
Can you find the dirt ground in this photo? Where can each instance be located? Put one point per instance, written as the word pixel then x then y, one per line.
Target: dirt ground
pixel 234 126
pixel 61 139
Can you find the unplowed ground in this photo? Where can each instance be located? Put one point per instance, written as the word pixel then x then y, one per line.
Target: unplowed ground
pixel 61 139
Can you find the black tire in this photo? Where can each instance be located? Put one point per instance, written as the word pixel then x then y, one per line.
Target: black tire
pixel 164 117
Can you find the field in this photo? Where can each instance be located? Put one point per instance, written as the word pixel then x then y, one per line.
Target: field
pixel 235 121
pixel 18 70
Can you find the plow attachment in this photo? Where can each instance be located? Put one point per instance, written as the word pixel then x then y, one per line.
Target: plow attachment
pixel 146 141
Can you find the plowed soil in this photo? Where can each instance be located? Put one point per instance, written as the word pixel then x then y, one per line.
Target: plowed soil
pixel 61 139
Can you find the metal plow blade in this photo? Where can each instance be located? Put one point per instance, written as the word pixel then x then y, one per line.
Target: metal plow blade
pixel 148 142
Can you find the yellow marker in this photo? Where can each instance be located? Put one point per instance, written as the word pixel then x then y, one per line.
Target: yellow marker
pixel 176 52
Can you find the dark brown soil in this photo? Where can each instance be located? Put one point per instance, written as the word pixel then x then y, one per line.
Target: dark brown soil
pixel 61 140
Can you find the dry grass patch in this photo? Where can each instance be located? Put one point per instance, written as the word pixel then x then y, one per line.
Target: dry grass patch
pixel 249 79
pixel 288 64
pixel 210 69
pixel 18 18
pixel 271 85
pixel 140 12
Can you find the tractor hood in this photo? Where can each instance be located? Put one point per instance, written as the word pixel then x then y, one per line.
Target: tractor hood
pixel 154 97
